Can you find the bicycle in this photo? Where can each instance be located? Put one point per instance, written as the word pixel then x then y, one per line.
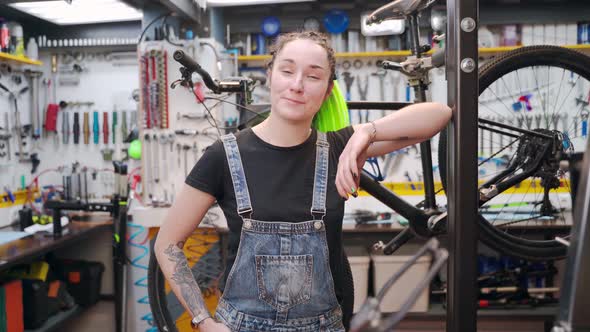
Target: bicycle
pixel 538 150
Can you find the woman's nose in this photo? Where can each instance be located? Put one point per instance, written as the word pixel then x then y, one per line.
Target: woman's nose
pixel 297 83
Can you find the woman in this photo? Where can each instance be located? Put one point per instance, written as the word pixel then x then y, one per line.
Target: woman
pixel 282 187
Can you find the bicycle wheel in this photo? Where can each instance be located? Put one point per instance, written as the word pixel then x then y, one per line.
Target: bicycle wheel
pixel 203 252
pixel 544 89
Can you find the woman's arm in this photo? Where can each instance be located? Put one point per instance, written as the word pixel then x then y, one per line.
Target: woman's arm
pixel 410 125
pixel 186 213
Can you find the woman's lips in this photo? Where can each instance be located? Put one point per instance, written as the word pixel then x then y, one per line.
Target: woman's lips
pixel 294 101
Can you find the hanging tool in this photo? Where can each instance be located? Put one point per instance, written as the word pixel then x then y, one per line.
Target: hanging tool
pixel 538 119
pixel 185 148
pixel 529 121
pixel 163 141
pixel 105 128
pixel 156 159
pixel 52 106
pixel 65 126
pixel 86 128
pixel 348 80
pixel 33 77
pixel 575 125
pixel 146 162
pixel 113 131
pixel 76 129
pixel 363 114
pixel 555 119
pixel 195 153
pixel 564 122
pixel 17 125
pixel 178 153
pixel 95 127
pixel 123 125
pixel 381 73
pixel 171 138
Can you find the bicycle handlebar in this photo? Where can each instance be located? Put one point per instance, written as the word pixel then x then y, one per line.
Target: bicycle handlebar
pixel 190 66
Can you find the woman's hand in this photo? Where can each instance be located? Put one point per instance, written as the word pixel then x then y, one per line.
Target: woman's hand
pixel 211 325
pixel 352 160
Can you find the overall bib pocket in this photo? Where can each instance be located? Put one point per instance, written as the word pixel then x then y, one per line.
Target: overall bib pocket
pixel 284 281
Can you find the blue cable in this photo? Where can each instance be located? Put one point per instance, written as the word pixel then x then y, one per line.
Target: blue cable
pixel 142 282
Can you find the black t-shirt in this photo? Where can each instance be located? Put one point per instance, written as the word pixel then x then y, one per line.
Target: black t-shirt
pixel 280 181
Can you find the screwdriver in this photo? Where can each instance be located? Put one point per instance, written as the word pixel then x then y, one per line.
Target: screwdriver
pixel 123 126
pixel 95 129
pixel 114 124
pixel 86 128
pixel 105 128
pixel 76 128
pixel 65 127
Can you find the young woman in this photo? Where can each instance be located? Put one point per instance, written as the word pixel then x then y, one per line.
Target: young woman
pixel 282 187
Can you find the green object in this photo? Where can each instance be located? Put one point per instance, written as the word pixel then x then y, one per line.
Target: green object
pixel 114 125
pixel 135 149
pixel 117 238
pixel 23 185
pixel 333 114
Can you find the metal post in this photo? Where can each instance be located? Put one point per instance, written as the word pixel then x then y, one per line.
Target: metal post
pixel 462 173
pixel 575 291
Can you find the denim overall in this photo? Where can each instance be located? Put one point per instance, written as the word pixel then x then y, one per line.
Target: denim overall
pixel 281 278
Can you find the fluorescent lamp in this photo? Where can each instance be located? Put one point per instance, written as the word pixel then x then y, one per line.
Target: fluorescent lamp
pixel 80 11
pixel 228 3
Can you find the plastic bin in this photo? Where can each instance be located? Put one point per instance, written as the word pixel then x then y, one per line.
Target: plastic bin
pixel 385 267
pixel 83 279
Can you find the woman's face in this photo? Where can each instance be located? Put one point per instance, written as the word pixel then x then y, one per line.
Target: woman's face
pixel 299 80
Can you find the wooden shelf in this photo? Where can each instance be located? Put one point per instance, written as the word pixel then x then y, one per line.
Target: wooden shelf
pixel 19 59
pixel 482 51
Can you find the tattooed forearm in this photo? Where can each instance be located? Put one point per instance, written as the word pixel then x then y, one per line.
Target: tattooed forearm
pixel 183 277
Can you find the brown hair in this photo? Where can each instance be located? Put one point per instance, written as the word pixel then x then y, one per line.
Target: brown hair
pixel 318 37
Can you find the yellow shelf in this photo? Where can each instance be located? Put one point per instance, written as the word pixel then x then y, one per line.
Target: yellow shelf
pixel 417 188
pixel 19 59
pixel 488 50
pixel 20 197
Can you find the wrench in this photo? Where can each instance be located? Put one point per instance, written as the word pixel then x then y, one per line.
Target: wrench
pixel 156 159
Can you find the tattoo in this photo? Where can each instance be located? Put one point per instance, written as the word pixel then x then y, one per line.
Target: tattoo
pixel 184 279
pixel 403 138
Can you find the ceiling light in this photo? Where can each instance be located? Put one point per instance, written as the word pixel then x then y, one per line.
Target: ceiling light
pixel 227 3
pixel 80 11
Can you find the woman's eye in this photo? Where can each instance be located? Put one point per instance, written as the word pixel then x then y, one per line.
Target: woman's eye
pixel 314 77
pixel 287 72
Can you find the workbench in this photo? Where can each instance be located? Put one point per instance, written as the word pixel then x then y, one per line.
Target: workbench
pixel 35 246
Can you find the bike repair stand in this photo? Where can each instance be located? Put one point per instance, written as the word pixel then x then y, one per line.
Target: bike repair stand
pixel 118 209
pixel 575 290
pixel 463 197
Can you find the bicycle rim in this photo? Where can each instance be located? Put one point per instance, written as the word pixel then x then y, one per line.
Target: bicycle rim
pixel 530 87
pixel 203 252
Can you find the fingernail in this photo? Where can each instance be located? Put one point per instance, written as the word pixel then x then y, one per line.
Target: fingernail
pixel 354 175
pixel 355 195
pixel 352 190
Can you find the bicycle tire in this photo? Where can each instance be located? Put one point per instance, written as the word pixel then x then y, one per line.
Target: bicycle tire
pixel 202 248
pixel 164 321
pixel 489 73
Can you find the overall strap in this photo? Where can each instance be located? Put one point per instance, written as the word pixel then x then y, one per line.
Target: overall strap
pixel 232 153
pixel 320 183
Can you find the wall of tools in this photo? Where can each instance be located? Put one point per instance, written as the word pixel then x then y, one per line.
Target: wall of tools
pixel 177 124
pixel 63 122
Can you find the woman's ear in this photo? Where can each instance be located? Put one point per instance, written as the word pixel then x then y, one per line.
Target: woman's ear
pixel 329 90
